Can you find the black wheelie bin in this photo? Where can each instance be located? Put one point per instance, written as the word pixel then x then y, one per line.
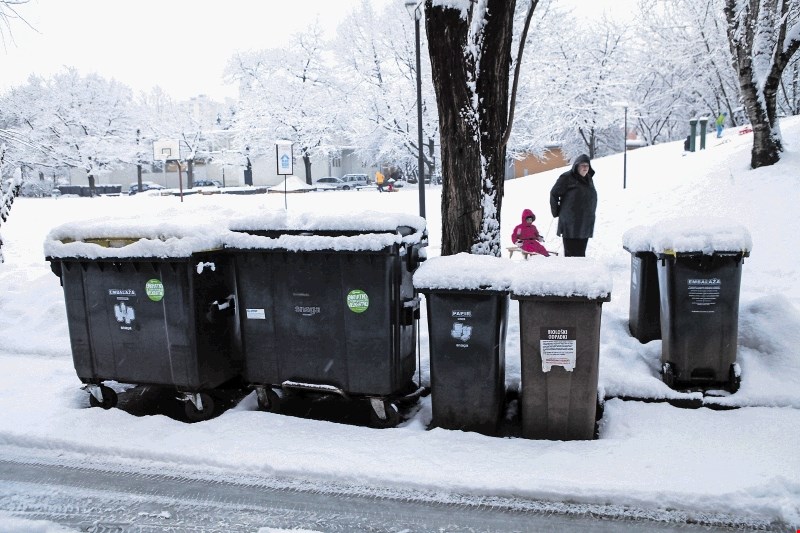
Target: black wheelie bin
pixel 560 307
pixel 644 316
pixel 700 265
pixel 327 306
pixel 467 303
pixel 147 304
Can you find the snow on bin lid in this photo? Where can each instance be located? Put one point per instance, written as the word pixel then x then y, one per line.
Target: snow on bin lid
pixel 375 230
pixel 692 234
pixel 637 239
pixel 561 276
pixel 133 237
pixel 464 272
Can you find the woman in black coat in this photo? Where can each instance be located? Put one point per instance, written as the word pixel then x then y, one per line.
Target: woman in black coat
pixel 573 199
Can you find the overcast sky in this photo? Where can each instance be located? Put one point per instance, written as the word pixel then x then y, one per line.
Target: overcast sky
pixel 181 45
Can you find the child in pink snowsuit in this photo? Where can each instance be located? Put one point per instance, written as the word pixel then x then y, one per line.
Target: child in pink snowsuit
pixel 527 237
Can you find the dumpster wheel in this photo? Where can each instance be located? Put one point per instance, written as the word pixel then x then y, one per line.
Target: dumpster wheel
pixel 734 378
pixel 383 414
pixel 108 394
pixel 268 399
pixel 205 410
pixel 668 375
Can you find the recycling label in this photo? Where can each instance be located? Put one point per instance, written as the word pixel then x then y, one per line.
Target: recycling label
pixel 558 347
pixel 154 290
pixel 357 301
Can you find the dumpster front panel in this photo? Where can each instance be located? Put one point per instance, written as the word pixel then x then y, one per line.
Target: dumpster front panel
pixel 700 316
pixel 135 322
pixel 555 336
pixel 645 303
pixel 467 359
pixel 256 310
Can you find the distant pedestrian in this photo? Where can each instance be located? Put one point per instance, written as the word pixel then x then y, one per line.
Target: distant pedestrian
pixel 379 179
pixel 720 123
pixel 573 199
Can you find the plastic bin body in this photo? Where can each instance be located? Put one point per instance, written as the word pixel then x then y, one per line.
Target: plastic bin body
pixel 556 403
pixel 122 329
pixel 644 320
pixel 467 334
pixel 341 319
pixel 700 315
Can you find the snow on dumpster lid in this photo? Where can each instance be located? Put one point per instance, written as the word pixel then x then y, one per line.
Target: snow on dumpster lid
pixel 464 272
pixel 134 237
pixel 367 230
pixel 708 235
pixel 561 276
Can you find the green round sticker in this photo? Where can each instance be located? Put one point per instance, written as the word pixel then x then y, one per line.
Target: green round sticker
pixel 154 289
pixel 357 301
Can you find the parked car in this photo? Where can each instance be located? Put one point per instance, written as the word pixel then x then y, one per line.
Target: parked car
pixel 329 183
pixel 207 183
pixel 352 181
pixel 146 186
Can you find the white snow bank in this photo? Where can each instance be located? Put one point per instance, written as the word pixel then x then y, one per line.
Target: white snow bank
pixel 538 276
pixel 291 184
pixel 708 235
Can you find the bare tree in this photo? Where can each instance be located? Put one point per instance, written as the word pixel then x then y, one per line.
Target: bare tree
pixel 470 50
pixel 763 36
pixel 8 14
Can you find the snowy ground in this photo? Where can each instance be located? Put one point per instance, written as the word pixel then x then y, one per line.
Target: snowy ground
pixel 700 463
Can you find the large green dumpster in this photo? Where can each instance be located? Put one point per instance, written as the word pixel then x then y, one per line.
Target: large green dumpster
pixel 147 304
pixel 327 305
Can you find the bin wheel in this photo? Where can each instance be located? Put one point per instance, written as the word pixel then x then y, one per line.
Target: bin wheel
pixel 196 415
pixel 668 375
pixel 269 401
pixel 109 398
pixel 734 378
pixel 390 418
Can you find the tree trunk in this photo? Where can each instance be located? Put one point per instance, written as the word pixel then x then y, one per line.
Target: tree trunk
pixel 307 166
pixel 471 77
pixel 189 173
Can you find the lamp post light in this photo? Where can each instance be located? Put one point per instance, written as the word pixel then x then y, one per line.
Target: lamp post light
pixel 624 144
pixel 414 7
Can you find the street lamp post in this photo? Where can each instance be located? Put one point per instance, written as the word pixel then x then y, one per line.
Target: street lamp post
pixel 417 13
pixel 624 144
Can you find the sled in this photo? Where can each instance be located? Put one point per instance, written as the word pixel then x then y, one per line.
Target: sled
pixel 512 249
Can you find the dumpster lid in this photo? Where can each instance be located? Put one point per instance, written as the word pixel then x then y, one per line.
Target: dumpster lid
pixel 464 272
pixel 167 236
pixel 561 276
pixel 352 231
pixel 686 235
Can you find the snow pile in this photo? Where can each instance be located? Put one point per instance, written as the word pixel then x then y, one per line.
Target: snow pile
pixel 464 272
pixel 291 184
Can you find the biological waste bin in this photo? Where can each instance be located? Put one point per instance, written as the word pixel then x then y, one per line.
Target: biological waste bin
pixel 644 316
pixel 560 307
pixel 699 274
pixel 327 306
pixel 148 308
pixel 467 304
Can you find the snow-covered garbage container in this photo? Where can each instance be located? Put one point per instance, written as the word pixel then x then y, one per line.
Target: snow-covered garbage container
pixel 467 304
pixel 327 305
pixel 644 316
pixel 560 306
pixel 699 273
pixel 147 304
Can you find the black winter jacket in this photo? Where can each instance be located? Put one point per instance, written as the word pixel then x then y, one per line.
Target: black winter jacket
pixel 573 199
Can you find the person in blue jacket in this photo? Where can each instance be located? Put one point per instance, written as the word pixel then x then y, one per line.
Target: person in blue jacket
pixel 573 199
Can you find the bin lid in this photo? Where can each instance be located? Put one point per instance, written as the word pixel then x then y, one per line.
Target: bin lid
pixel 699 235
pixel 637 239
pixel 351 231
pixel 464 272
pixel 568 277
pixel 119 238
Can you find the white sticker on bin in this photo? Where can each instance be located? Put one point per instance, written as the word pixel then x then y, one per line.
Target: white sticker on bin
pixel 558 348
pixel 256 314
